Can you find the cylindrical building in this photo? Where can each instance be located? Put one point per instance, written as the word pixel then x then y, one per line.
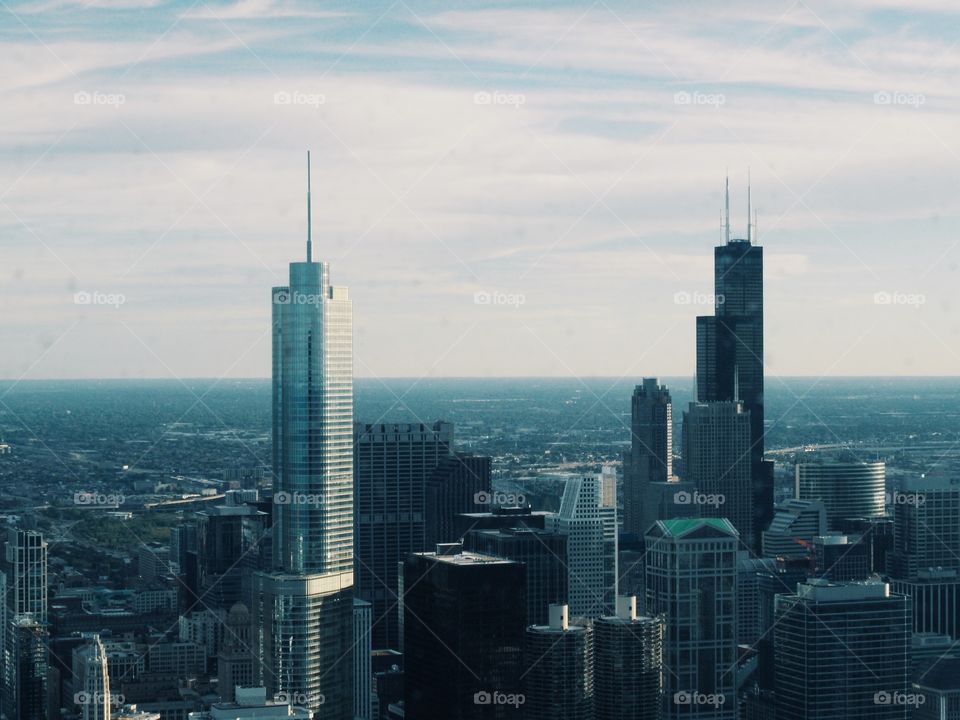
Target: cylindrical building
pixel 559 669
pixel 847 489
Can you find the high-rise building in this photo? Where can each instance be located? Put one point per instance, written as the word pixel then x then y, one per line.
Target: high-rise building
pixel 303 611
pixel 25 694
pixel 464 621
pixel 588 517
pixel 235 657
pixel 936 601
pixel 848 488
pixel 841 558
pixel 460 484
pixel 730 353
pixel 751 571
pixel 716 460
pixel 650 457
pixel 392 463
pixel 227 540
pixel 544 558
pixel 558 675
pixel 362 660
pixel 93 681
pixel 25 565
pixel 926 533
pixel 627 664
pixel 500 518
pixel 795 524
pixel 940 692
pixel 842 652
pixel 692 583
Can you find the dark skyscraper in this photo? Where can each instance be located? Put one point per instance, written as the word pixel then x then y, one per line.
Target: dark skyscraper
pixel 842 651
pixel 464 620
pixel 392 463
pixel 730 353
pixel 650 457
pixel 460 484
pixel 558 679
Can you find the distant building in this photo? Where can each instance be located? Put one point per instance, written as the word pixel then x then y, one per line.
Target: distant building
pixel 716 459
pixel 544 557
pixel 235 657
pixel 25 694
pixel 650 457
pixel 558 679
pixel 252 704
pixel 464 621
pixel 692 583
pixel 588 517
pixel 795 524
pixel 848 489
pixel 499 518
pixel 856 631
pixel 460 484
pixel 392 463
pixel 751 571
pixel 227 538
pixel 627 665
pixel 93 681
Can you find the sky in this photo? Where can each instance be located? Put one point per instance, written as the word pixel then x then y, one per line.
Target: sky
pixel 507 188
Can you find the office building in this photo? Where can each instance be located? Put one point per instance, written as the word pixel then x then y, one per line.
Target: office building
pixel 544 557
pixel 588 517
pixel 500 518
pixel 841 558
pixel 460 484
pixel 692 583
pixel 392 463
pixel 627 664
pixel 362 660
pixel 303 609
pixel 936 600
pixel 558 675
pixel 795 524
pixel 25 694
pixel 93 681
pixel 842 651
pixel 939 689
pixel 650 457
pixel 716 460
pixel 750 573
pixel 848 488
pixel 227 542
pixel 251 703
pixel 730 353
pixel 235 656
pixel 464 622
pixel 926 533
pixel 25 567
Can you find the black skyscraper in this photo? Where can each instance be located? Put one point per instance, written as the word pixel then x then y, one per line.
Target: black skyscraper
pixel 730 353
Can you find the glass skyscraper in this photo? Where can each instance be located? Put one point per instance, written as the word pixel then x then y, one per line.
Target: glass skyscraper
pixel 303 610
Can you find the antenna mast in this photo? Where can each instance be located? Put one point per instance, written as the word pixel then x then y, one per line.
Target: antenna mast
pixel 309 219
pixel 726 222
pixel 749 210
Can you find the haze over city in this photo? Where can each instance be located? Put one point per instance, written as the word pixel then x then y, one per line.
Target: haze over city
pixel 508 189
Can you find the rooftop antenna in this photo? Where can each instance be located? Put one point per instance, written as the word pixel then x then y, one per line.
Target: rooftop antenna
pixel 749 210
pixel 726 221
pixel 309 219
pixel 756 223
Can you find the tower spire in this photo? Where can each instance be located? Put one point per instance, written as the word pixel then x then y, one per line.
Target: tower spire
pixel 726 216
pixel 309 219
pixel 749 210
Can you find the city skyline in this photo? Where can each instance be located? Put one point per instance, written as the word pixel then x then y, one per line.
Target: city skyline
pixel 486 150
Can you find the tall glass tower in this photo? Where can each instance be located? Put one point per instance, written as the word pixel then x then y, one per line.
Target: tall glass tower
pixel 303 610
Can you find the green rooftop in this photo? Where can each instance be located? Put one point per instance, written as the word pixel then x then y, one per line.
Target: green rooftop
pixel 681 526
